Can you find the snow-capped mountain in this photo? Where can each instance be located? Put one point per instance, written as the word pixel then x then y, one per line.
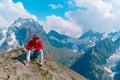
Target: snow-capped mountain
pixel 90 39
pixel 87 40
pixel 114 36
pixel 19 33
pixel 92 63
pixel 22 30
pixel 60 40
pixel 55 35
pixel 112 62
pixel 97 50
pixel 91 34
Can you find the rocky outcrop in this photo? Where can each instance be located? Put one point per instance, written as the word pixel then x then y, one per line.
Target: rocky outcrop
pixel 12 68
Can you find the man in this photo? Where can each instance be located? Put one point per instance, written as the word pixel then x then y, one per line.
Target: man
pixel 34 46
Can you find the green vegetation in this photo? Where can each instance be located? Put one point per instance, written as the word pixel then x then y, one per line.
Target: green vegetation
pixel 0 63
pixel 43 72
pixel 7 58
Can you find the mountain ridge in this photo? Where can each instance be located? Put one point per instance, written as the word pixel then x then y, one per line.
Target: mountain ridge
pixel 64 49
pixel 95 58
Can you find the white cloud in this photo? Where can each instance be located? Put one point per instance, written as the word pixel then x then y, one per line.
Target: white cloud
pixel 10 11
pixel 100 15
pixel 63 26
pixel 101 6
pixel 53 6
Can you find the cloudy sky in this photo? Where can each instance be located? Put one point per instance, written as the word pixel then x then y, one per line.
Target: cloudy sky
pixel 70 17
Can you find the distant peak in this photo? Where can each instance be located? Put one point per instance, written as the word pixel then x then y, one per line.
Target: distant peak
pixel 24 20
pixel 57 35
pixel 24 23
pixel 53 31
pixel 21 21
pixel 91 33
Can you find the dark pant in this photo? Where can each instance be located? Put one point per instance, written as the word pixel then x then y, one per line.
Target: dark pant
pixel 34 54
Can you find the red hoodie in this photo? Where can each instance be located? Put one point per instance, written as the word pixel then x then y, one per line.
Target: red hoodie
pixel 31 44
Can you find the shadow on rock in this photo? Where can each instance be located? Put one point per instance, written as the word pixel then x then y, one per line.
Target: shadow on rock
pixel 22 57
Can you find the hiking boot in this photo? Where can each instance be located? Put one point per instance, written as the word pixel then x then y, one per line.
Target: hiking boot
pixel 40 63
pixel 28 64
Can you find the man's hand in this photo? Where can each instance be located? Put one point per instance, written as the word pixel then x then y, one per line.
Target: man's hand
pixel 33 49
pixel 24 49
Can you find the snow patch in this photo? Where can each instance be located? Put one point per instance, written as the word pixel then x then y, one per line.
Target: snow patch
pixel 82 52
pixel 115 36
pixel 112 62
pixel 54 38
pixel 108 70
pixel 75 50
pixel 12 42
pixel 4 38
pixel 9 49
pixel 92 42
pixel 18 24
pixel 104 36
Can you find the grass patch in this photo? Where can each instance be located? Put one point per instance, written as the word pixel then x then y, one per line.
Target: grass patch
pixel 18 78
pixel 1 64
pixel 7 58
pixel 43 72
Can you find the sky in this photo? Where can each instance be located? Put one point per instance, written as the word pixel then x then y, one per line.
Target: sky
pixel 69 17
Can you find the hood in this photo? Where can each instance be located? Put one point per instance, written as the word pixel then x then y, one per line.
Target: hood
pixel 35 37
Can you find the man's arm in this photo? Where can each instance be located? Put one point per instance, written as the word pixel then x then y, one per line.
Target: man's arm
pixel 28 47
pixel 40 47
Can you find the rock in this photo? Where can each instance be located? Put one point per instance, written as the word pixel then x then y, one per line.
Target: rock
pixel 12 68
pixel 3 75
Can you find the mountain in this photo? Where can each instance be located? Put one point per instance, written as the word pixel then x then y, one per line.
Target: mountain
pixel 114 35
pixel 57 35
pixel 20 32
pixel 12 68
pixel 94 55
pixel 59 40
pixel 91 34
pixel 117 42
pixel 86 41
pixel 117 72
pixel 90 39
pixel 97 65
pixel 112 64
pixel 92 63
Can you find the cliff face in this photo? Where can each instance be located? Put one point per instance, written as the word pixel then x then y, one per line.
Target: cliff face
pixel 12 68
pixel 92 63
